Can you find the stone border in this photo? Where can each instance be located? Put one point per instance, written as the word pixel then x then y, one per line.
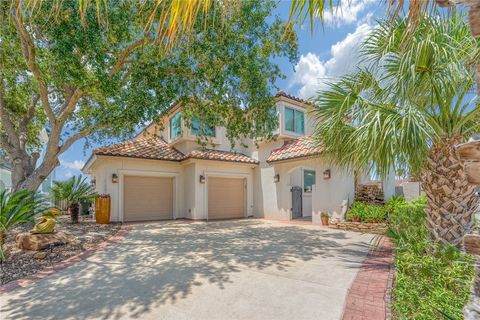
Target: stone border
pixel 364 227
pixel 369 294
pixel 28 280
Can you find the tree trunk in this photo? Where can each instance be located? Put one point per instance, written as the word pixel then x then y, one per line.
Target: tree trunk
pixel 451 199
pixel 26 177
pixel 74 212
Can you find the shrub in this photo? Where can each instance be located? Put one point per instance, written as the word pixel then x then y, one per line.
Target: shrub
pixel 430 278
pixel 367 212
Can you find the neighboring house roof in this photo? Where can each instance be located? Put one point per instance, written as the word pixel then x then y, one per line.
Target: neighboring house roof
pixel 296 148
pixel 157 149
pixel 146 148
pixel 208 154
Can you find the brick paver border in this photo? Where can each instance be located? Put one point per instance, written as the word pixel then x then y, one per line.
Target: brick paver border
pixel 369 295
pixel 24 282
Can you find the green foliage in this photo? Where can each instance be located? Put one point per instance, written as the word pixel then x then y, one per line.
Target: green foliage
pixel 227 64
pixel 367 212
pixel 16 208
pixel 410 94
pixel 324 215
pixel 73 190
pixel 429 277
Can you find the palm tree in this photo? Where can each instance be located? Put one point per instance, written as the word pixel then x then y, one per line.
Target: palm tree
pixel 16 208
pixel 73 191
pixel 409 109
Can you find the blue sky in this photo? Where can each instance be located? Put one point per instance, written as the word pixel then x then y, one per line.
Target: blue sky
pixel 325 54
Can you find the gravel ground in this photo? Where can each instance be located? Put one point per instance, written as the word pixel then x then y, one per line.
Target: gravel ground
pixel 85 235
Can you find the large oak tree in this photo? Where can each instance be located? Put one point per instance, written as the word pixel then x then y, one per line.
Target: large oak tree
pixel 64 69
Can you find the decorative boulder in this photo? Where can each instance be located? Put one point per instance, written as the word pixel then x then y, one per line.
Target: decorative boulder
pixel 36 242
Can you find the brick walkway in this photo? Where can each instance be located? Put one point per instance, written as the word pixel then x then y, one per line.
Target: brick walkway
pixel 368 296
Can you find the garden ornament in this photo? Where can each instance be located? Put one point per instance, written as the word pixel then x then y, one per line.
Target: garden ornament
pixel 47 221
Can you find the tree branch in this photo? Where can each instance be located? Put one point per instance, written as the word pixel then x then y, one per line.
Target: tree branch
pixel 30 113
pixel 6 122
pixel 79 135
pixel 28 49
pixel 122 57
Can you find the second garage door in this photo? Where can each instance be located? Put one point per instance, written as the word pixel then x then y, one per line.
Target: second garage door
pixel 147 198
pixel 226 198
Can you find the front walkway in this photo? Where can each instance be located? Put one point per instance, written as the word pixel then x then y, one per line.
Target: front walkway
pixel 244 269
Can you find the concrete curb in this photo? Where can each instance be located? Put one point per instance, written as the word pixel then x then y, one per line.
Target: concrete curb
pixel 42 274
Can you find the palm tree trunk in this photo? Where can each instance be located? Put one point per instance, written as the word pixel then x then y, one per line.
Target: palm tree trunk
pixel 74 212
pixel 451 199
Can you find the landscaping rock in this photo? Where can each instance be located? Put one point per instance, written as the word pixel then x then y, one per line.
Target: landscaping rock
pixel 40 255
pixel 36 242
pixel 369 193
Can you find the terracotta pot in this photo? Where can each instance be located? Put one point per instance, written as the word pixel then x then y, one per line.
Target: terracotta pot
pixel 102 210
pixel 324 221
pixel 355 219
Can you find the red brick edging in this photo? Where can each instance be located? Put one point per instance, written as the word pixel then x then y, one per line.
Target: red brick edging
pixel 369 295
pixel 24 282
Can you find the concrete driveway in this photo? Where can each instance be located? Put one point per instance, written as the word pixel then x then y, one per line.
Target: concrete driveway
pixel 244 269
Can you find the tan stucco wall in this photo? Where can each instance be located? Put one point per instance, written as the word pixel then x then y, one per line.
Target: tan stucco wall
pixel 189 194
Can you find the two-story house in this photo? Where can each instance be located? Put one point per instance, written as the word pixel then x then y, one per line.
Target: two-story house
pixel 165 174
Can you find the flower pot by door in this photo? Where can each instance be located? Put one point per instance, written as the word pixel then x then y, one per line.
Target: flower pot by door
pixel 102 209
pixel 325 221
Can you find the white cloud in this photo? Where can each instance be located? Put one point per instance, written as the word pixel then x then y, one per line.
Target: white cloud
pixel 347 12
pixel 75 165
pixel 312 74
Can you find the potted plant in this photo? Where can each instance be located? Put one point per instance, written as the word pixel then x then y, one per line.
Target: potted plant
pixel 324 217
pixel 73 190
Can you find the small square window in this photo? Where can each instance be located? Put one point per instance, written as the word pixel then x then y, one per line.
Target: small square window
pixel 294 121
pixel 201 128
pixel 308 180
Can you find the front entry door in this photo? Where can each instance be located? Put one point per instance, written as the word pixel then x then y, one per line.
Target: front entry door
pixel 296 202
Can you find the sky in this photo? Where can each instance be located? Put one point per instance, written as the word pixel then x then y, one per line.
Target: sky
pixel 325 54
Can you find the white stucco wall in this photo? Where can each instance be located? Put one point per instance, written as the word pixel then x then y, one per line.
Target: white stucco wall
pixel 327 195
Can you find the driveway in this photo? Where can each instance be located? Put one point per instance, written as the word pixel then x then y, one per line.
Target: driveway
pixel 244 269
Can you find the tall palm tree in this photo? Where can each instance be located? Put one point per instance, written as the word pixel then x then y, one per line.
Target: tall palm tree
pixel 74 191
pixel 409 109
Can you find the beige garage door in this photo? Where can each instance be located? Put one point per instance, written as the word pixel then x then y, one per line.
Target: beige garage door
pixel 147 198
pixel 226 198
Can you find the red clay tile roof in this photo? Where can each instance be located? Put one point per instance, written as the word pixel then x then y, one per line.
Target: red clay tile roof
pixel 208 154
pixel 281 93
pixel 146 148
pixel 296 148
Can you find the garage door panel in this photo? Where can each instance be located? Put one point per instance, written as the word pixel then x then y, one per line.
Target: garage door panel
pixel 148 198
pixel 226 198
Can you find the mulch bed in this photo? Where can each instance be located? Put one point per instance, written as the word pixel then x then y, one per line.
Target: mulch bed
pixel 84 235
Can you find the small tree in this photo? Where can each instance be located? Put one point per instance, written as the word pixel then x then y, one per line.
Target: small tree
pixel 73 191
pixel 16 208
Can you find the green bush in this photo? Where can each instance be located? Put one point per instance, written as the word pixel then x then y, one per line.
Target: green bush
pixel 367 212
pixel 429 277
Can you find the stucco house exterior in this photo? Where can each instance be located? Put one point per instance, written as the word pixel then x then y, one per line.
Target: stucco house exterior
pixel 166 174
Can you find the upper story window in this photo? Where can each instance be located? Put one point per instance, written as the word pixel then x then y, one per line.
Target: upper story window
pixel 294 120
pixel 175 125
pixel 199 128
pixel 308 180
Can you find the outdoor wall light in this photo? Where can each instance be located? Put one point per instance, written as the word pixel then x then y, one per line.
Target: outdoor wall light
pixel 93 182
pixel 276 178
pixel 114 178
pixel 326 174
pixel 202 178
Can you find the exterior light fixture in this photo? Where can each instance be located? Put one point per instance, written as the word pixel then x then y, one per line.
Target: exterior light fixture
pixel 114 178
pixel 93 182
pixel 202 178
pixel 326 174
pixel 276 178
